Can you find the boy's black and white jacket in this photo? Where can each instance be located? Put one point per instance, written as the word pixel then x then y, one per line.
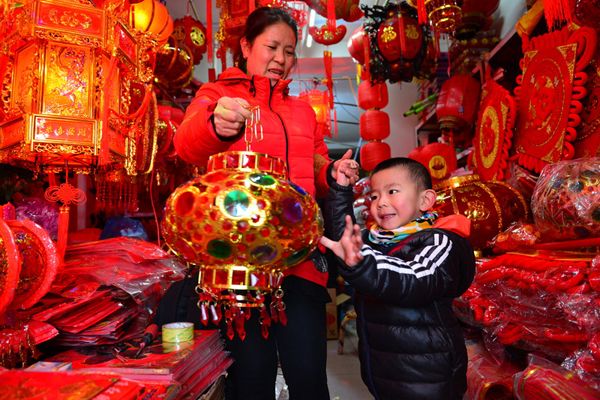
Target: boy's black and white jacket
pixel 410 343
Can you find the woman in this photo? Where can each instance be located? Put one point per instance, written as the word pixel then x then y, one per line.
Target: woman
pixel 215 122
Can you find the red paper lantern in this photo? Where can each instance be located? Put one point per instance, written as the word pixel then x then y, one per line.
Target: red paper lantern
pixel 457 103
pixel 356 45
pixel 439 158
pixel 392 46
pixel 372 95
pixel 192 33
pixel 152 17
pixel 320 102
pixel 374 125
pixel 372 153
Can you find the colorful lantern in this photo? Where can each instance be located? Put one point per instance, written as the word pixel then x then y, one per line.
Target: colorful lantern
pixel 566 200
pixel 192 33
pixel 549 95
pixel 439 158
pixel 457 104
pixel 493 138
pixel 374 125
pixel 491 206
pixel 243 223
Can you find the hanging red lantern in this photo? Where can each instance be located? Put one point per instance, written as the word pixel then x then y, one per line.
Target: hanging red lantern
pixel 457 103
pixel 399 37
pixel 374 125
pixel 192 33
pixel 356 45
pixel 475 16
pixel 443 15
pixel 372 95
pixel 347 10
pixel 438 158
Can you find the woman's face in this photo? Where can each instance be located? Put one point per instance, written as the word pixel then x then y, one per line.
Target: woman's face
pixel 272 54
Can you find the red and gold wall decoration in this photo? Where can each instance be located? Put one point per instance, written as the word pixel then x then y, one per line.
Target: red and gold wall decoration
pixel 549 95
pixel 493 136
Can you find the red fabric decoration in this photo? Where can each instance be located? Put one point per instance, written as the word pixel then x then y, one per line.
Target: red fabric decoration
pixel 373 153
pixel 549 95
pixel 326 35
pixel 587 143
pixel 209 32
pixel 439 158
pixel 556 11
pixel 372 95
pixel 493 138
pixel 374 125
pixel 457 103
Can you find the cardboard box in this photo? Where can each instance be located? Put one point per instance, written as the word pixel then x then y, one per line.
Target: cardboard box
pixel 332 316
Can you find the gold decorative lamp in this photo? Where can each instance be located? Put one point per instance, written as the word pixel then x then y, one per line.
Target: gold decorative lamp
pixel 67 73
pixel 243 223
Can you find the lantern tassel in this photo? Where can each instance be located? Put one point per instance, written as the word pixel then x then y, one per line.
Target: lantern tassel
pixel 328 61
pixel 104 156
pixel 556 11
pixel 331 19
pixel 63 231
pixel 422 12
pixel 209 32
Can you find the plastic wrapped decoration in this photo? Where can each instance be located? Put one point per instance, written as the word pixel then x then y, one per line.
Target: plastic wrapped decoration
pixel 549 95
pixel 243 223
pixel 566 199
pixel 491 206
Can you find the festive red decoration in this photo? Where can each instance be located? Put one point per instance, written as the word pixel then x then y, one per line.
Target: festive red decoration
pixel 399 38
pixel 587 13
pixel 556 12
pixel 192 33
pixel 493 138
pixel 443 15
pixel 10 265
pixel 347 10
pixel 372 95
pixel 457 103
pixel 374 125
pixel 475 16
pixel 174 64
pixel 372 153
pixel 439 158
pixel 356 45
pixel 587 143
pixel 549 95
pixel 327 36
pixel 491 206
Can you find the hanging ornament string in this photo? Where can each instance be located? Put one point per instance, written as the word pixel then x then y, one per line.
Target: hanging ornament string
pixel 254 129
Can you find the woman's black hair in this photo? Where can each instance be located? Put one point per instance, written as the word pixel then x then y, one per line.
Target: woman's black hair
pixel 259 20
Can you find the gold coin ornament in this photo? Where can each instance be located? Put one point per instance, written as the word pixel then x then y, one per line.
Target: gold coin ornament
pixel 243 223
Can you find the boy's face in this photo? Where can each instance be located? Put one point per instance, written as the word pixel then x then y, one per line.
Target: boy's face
pixel 395 200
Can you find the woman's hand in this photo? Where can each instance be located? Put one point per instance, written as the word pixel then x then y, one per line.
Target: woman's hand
pixel 230 115
pixel 345 170
pixel 348 248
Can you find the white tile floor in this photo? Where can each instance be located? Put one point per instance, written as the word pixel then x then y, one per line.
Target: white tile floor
pixel 343 370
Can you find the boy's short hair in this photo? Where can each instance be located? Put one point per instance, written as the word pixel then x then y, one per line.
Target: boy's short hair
pixel 418 172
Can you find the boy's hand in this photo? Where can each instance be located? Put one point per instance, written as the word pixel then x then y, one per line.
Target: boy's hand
pixel 348 248
pixel 345 170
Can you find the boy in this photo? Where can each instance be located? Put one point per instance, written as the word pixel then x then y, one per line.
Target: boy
pixel 406 271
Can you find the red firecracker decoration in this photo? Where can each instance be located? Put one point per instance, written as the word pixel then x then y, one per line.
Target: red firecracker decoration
pixel 457 104
pixel 374 125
